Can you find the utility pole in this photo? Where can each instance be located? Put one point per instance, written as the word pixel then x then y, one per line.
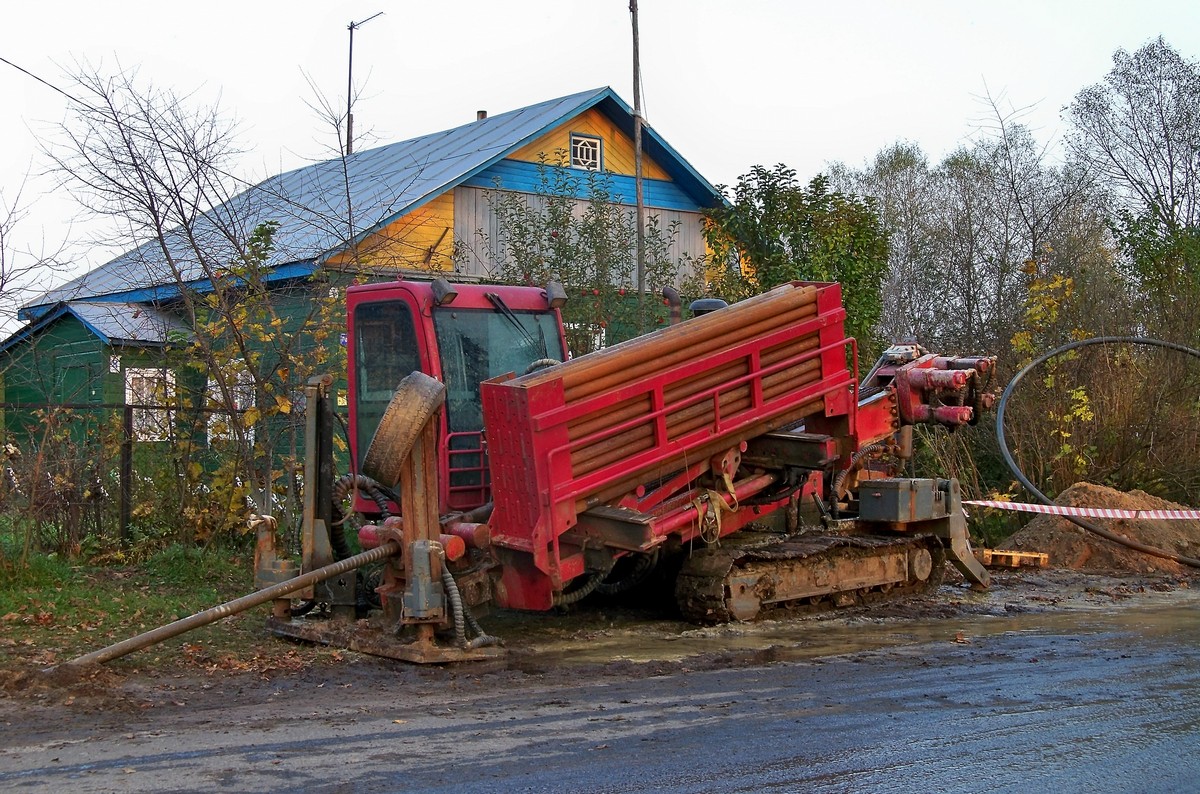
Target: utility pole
pixel 637 170
pixel 350 86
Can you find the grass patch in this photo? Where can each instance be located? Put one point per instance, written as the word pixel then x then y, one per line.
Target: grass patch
pixel 52 611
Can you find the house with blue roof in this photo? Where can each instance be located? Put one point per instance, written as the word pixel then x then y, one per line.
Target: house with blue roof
pixel 413 207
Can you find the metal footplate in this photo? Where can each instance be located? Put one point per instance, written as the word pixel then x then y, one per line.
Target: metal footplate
pixel 375 638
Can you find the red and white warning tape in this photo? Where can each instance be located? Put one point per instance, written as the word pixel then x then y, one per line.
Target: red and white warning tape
pixel 1088 512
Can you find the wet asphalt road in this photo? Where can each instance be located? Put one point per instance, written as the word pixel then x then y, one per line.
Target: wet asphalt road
pixel 1085 702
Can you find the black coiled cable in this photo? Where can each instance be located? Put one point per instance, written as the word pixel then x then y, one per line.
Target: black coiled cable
pixel 1029 486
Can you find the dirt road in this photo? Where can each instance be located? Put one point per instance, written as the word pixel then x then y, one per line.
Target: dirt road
pixel 1084 687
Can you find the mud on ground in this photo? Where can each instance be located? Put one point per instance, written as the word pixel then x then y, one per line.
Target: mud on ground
pixel 590 643
pixel 1087 574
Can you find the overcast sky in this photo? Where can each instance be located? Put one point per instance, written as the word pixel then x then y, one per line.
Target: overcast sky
pixel 728 84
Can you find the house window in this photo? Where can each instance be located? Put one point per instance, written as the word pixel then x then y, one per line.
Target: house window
pixel 150 392
pixel 586 152
pixel 222 417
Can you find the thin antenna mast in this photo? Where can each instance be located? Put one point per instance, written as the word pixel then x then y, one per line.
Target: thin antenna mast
pixel 350 86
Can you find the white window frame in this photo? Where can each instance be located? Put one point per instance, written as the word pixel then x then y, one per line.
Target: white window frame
pixel 587 152
pixel 150 386
pixel 219 421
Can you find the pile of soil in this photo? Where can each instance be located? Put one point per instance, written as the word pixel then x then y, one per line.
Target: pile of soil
pixel 1071 546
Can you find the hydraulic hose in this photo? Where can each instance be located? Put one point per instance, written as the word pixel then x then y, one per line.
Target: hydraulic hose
pixel 456 606
pixel 337 533
pixel 840 479
pixel 462 615
pixel 482 638
pixel 575 596
pixel 540 363
pixel 1029 486
pixel 641 568
pixel 375 491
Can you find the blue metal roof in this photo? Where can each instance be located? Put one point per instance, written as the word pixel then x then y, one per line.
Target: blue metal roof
pixel 113 323
pixel 381 185
pixel 125 323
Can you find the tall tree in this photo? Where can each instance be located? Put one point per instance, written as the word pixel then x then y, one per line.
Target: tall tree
pixel 160 168
pixel 1139 133
pixel 905 191
pixel 775 230
pixel 22 271
pixel 1139 130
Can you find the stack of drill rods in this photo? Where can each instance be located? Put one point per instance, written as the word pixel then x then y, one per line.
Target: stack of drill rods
pixel 642 357
pixel 740 368
pixel 635 368
pixel 699 412
pixel 604 362
pixel 680 422
pixel 658 354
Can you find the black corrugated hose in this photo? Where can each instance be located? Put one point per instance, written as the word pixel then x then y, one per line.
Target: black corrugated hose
pixel 840 478
pixel 585 590
pixel 462 614
pixel 456 605
pixel 337 535
pixel 1012 465
pixel 640 570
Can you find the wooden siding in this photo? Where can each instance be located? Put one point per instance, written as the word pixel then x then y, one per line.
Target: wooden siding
pixel 421 240
pixel 474 221
pixel 617 148
pixel 66 362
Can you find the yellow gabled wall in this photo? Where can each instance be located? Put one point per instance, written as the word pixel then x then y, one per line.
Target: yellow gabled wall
pixel 421 240
pixel 617 147
pixel 424 238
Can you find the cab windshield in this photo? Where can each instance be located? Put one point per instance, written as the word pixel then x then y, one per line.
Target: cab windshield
pixel 477 344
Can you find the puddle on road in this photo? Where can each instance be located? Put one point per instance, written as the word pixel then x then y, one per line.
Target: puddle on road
pixel 603 636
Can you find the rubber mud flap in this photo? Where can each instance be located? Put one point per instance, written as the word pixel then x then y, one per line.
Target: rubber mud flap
pixel 416 400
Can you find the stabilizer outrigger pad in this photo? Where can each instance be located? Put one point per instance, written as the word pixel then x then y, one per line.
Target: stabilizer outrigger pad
pixel 364 636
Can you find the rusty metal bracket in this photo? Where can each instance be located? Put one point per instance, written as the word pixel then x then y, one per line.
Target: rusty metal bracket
pixel 954 529
pixel 933 506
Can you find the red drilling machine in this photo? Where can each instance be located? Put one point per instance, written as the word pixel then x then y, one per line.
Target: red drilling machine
pixel 737 448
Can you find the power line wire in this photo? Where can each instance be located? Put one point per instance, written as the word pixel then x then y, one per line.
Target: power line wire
pixel 47 83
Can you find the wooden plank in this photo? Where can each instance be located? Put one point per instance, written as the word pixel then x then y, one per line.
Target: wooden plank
pixel 1006 558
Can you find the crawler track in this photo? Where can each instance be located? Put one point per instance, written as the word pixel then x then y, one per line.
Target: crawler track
pixel 736 581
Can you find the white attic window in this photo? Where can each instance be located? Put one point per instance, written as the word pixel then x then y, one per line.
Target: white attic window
pixel 587 152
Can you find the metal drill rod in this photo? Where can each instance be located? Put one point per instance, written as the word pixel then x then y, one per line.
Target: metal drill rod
pixel 216 613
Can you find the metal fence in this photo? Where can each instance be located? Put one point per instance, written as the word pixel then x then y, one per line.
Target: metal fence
pixel 112 474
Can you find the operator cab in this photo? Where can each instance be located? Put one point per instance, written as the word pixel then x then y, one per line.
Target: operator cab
pixel 462 336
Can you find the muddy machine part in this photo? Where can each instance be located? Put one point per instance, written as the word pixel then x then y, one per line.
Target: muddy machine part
pixel 897 545
pixel 419 598
pixel 692 437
